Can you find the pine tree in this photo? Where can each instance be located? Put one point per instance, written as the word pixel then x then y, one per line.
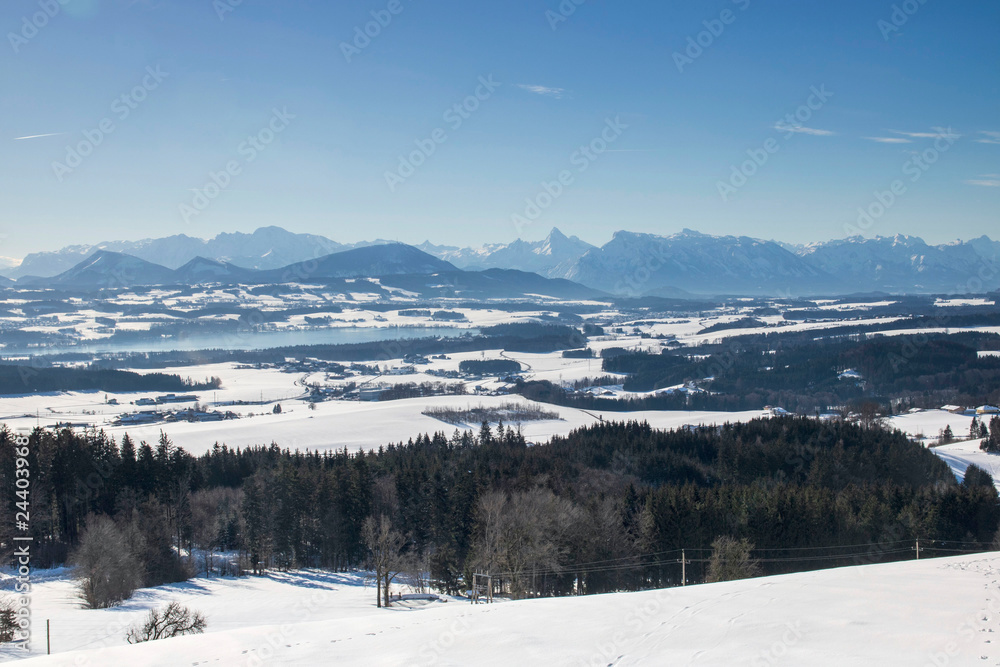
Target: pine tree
pixel 976 476
pixel 256 517
pixel 485 434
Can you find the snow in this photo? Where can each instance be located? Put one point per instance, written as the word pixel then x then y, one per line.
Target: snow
pixel 963 302
pixel 333 424
pixel 688 332
pixel 930 422
pixel 364 425
pixel 929 612
pixel 862 305
pixel 960 455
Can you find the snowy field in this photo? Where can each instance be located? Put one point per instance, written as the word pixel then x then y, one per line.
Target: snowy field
pixel 958 455
pixel 364 425
pixel 930 612
pixel 926 424
pixel 333 424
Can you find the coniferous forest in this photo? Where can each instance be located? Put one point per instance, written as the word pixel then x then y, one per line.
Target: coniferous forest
pixel 609 507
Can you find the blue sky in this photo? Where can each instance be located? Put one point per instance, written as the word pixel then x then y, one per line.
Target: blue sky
pixel 301 131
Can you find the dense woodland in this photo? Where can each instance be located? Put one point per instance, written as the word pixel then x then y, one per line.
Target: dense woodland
pixel 489 366
pixel 801 373
pixel 605 508
pixel 22 379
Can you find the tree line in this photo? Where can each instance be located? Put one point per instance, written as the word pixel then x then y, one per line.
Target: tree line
pixel 27 379
pixel 606 508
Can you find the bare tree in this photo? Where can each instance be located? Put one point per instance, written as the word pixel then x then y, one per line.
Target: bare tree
pixel 600 533
pixel 385 544
pixel 521 534
pixel 870 414
pixel 108 567
pixel 211 509
pixel 533 538
pixel 731 560
pixel 490 516
pixel 415 573
pixel 173 621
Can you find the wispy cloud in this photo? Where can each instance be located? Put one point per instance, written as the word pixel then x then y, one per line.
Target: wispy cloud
pixel 543 90
pixel 990 138
pixel 889 140
pixel 986 181
pixel 945 132
pixel 802 129
pixel 39 136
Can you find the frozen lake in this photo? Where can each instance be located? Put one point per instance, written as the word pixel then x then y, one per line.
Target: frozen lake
pixel 251 340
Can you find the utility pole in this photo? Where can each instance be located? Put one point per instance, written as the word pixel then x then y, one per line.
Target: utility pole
pixel 48 637
pixel 684 563
pixel 918 548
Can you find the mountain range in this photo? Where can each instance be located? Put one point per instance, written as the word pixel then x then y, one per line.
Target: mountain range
pixel 384 267
pixel 266 248
pixel 553 257
pixel 631 264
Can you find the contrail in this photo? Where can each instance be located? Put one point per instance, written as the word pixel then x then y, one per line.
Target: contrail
pixel 36 136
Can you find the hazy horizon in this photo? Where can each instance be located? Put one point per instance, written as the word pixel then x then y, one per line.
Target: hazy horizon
pixel 772 121
pixel 445 243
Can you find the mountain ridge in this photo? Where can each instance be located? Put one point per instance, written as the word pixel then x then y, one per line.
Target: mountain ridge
pixel 630 264
pixel 394 265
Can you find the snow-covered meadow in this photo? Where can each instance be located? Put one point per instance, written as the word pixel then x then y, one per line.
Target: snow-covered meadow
pixel 332 424
pixel 942 611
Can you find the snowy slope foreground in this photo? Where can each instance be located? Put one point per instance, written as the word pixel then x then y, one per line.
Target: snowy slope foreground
pixel 929 612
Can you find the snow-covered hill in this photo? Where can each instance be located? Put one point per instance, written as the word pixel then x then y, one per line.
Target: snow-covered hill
pixel 107 269
pixel 202 270
pixel 382 260
pixel 943 611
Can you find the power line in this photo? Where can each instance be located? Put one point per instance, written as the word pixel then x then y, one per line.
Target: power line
pixel 629 562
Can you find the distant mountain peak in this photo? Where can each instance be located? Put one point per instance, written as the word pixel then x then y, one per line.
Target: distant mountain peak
pixel 552 257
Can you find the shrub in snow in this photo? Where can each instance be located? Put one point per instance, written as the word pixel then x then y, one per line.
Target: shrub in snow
pixel 173 621
pixel 8 622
